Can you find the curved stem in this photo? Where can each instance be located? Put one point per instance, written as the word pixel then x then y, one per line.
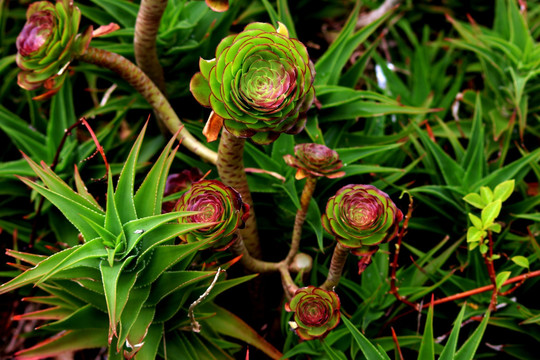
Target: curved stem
pixel 249 262
pixel 336 267
pixel 307 194
pixel 259 266
pixel 230 166
pixel 142 83
pixel 144 42
pixel 287 281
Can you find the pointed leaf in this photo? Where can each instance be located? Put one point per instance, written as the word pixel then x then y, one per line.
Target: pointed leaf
pixel 54 183
pixel 504 190
pixel 521 261
pixel 86 317
pixel 475 200
pixel 501 278
pixel 450 348
pixel 135 230
pixel 490 212
pixel 453 174
pixel 72 210
pixel 82 190
pixel 477 223
pixel 427 346
pixel 55 263
pixel 112 217
pixel 226 323
pixel 175 280
pixel 117 286
pixel 149 196
pixel 474 160
pixel 468 350
pixel 163 257
pixel 66 342
pixel 125 185
pixel 151 342
pixel 133 315
pixel 368 349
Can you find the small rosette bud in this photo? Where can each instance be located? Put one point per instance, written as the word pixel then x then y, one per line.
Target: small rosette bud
pixel 361 217
pixel 260 84
pixel 316 312
pixel 218 204
pixel 47 44
pixel 315 160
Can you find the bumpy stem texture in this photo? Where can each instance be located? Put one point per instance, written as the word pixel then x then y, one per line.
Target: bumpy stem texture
pixel 146 29
pixel 142 83
pixel 307 194
pixel 336 267
pixel 230 166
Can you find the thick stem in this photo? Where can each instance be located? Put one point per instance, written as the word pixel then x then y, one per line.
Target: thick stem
pixel 144 42
pixel 142 83
pixel 230 166
pixel 287 281
pixel 307 194
pixel 249 262
pixel 336 267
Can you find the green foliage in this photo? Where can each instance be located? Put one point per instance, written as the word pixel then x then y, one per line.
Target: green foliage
pixel 423 101
pixel 490 202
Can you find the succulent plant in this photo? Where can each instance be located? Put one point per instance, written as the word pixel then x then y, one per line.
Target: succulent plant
pixel 316 312
pixel 315 160
pixel 217 204
pixel 48 43
pixel 179 182
pixel 126 280
pixel 361 217
pixel 259 84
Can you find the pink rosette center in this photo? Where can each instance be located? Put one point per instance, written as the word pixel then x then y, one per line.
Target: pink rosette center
pixel 35 32
pixel 313 312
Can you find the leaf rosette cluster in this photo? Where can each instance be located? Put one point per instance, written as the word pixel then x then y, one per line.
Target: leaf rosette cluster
pixel 259 85
pixel 316 312
pixel 361 217
pixel 179 182
pixel 315 160
pixel 48 43
pixel 218 204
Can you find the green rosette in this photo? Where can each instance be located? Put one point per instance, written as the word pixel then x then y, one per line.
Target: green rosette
pixel 48 43
pixel 315 160
pixel 361 217
pixel 316 312
pixel 218 204
pixel 260 83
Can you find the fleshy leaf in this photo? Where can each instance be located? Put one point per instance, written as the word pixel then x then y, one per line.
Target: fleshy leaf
pixel 149 196
pixel 200 89
pixel 124 187
pixel 65 342
pixel 116 286
pixel 218 5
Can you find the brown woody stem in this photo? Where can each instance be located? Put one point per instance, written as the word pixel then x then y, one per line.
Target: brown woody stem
pixel 258 266
pixel 144 42
pixel 142 83
pixel 307 194
pixel 339 257
pixel 230 166
pixel 249 262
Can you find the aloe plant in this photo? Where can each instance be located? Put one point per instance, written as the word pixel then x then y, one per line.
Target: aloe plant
pixel 128 278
